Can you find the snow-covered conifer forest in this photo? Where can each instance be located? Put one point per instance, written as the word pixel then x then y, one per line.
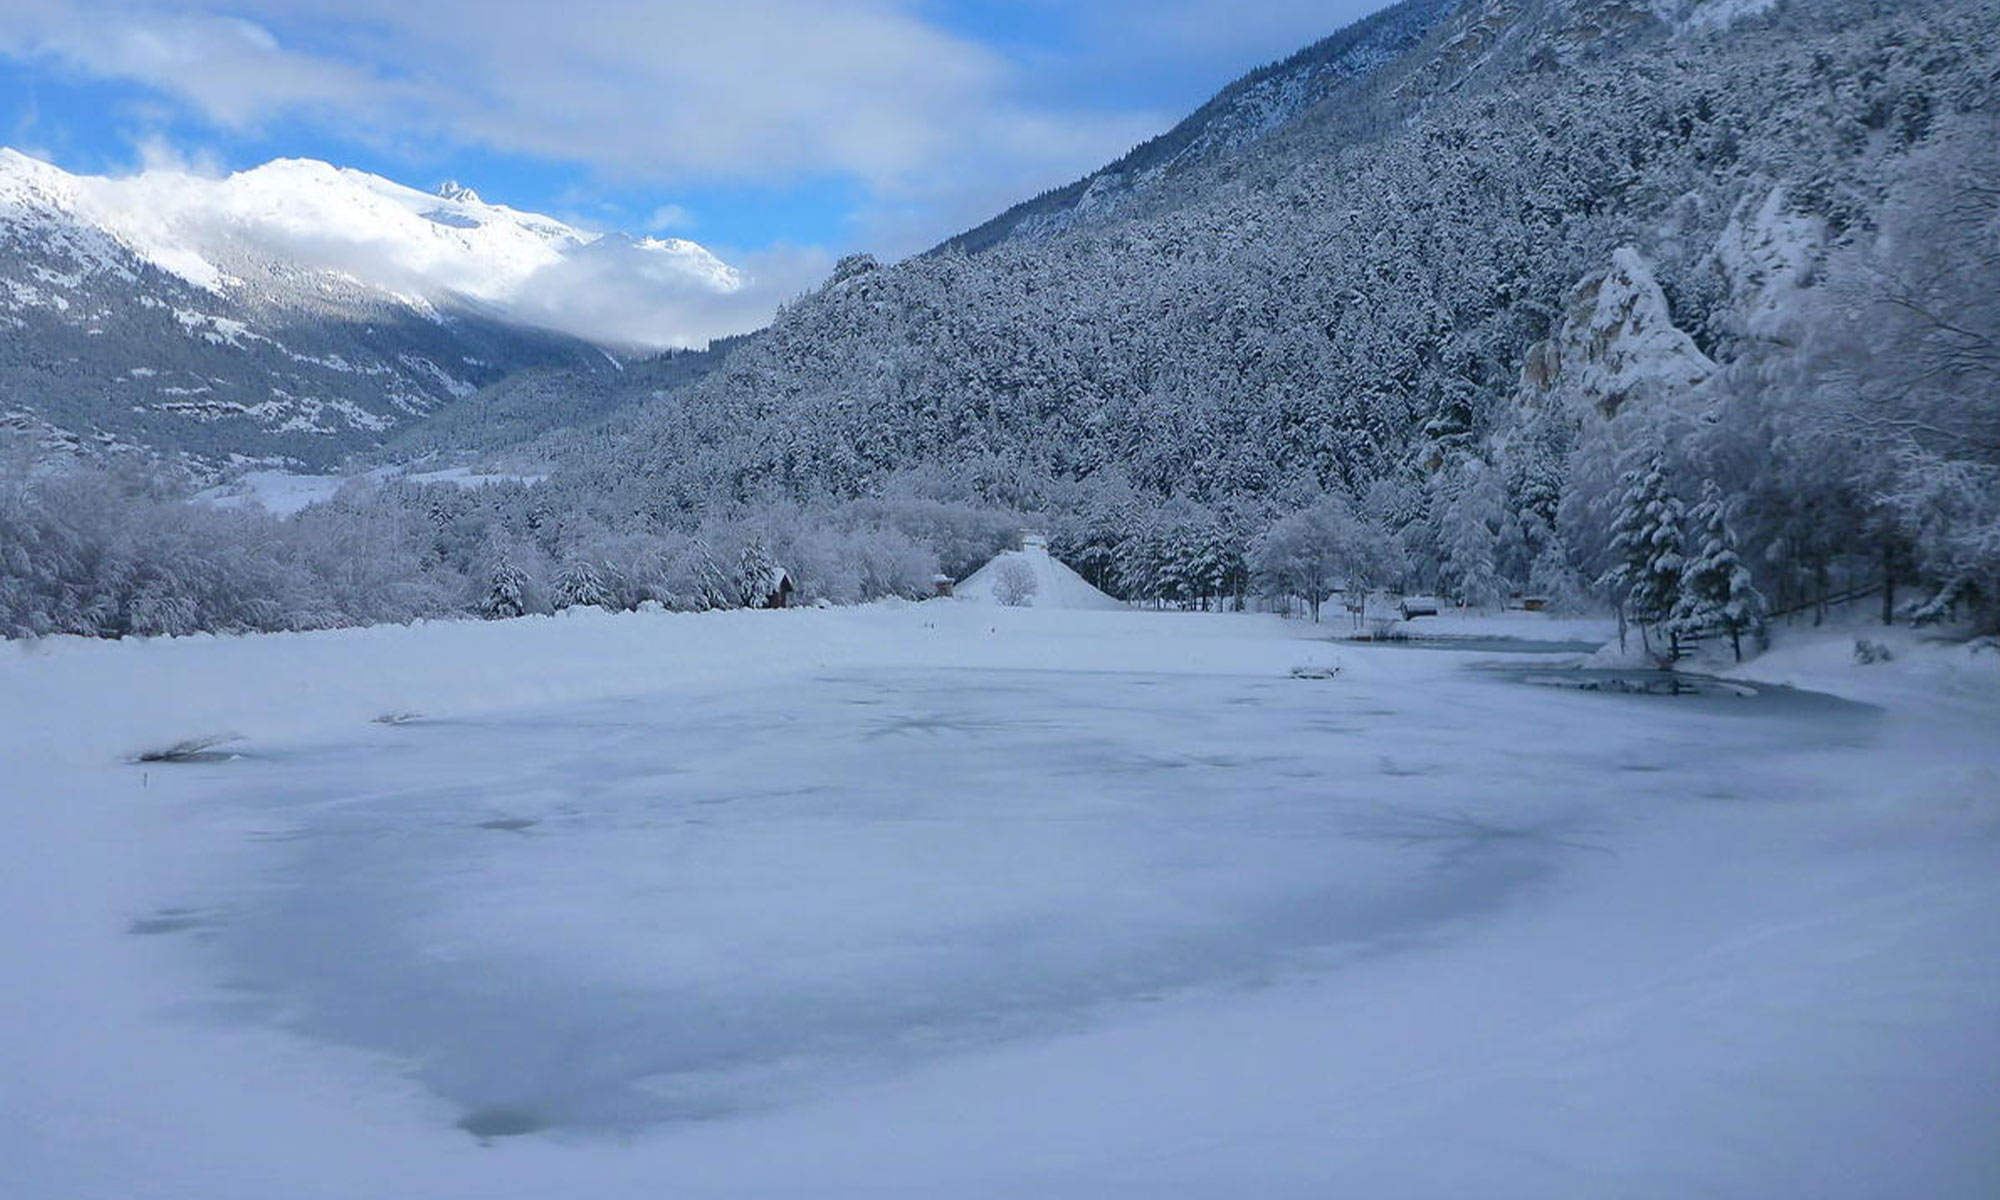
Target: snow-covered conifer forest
pixel 1109 827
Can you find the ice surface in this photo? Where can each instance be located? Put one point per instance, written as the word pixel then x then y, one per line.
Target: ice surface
pixel 949 899
pixel 726 895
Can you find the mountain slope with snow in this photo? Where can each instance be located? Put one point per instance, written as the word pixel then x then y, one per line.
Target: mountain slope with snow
pixel 1338 78
pixel 1242 114
pixel 1583 193
pixel 294 219
pixel 300 311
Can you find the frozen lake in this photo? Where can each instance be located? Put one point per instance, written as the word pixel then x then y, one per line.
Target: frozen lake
pixel 685 904
pixel 945 900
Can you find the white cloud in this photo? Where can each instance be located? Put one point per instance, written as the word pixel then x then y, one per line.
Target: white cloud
pixel 234 70
pixel 624 299
pixel 668 92
pixel 669 217
pixel 157 155
pixel 939 130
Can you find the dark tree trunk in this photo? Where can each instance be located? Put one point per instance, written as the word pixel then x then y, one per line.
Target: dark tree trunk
pixel 1888 585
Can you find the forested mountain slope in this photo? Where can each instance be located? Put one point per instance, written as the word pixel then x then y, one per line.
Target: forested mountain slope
pixel 540 400
pixel 1370 299
pixel 1243 113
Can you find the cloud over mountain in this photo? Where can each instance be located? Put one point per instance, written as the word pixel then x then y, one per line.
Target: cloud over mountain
pixel 939 119
pixel 299 215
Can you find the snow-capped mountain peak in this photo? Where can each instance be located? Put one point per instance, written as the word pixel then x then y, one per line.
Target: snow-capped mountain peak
pixel 298 310
pixel 306 222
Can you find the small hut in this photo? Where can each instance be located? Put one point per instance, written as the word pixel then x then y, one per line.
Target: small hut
pixel 944 585
pixel 780 591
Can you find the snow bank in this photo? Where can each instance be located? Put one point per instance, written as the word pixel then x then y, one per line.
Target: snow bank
pixel 1477 623
pixel 280 493
pixel 1056 585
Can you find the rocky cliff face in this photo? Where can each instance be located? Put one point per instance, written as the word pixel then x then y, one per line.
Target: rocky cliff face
pixel 1617 344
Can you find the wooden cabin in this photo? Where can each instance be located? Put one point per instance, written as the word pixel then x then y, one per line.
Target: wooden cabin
pixel 781 591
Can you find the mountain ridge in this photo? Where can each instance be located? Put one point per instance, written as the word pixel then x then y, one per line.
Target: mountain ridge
pixel 297 312
pixel 421 247
pixel 1238 115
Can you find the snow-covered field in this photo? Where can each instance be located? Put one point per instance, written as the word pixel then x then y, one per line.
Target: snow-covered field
pixel 283 493
pixel 954 900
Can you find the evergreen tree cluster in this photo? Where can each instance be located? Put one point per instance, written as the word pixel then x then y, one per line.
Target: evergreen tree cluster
pixel 1678 574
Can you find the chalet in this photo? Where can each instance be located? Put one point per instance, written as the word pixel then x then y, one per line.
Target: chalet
pixel 1418 606
pixel 780 591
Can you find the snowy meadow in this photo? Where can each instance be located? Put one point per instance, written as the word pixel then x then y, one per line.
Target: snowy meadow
pixel 950 898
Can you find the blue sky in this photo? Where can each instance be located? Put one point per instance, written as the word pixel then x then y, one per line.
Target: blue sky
pixel 753 126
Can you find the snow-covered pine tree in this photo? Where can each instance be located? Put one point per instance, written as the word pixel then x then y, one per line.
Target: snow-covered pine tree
pixel 755 570
pixel 1552 577
pixel 712 586
pixel 1466 533
pixel 578 584
pixel 1716 588
pixel 1648 545
pixel 506 593
pixel 1215 562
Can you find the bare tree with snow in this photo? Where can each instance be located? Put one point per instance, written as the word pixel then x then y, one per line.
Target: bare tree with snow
pixel 1014 584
